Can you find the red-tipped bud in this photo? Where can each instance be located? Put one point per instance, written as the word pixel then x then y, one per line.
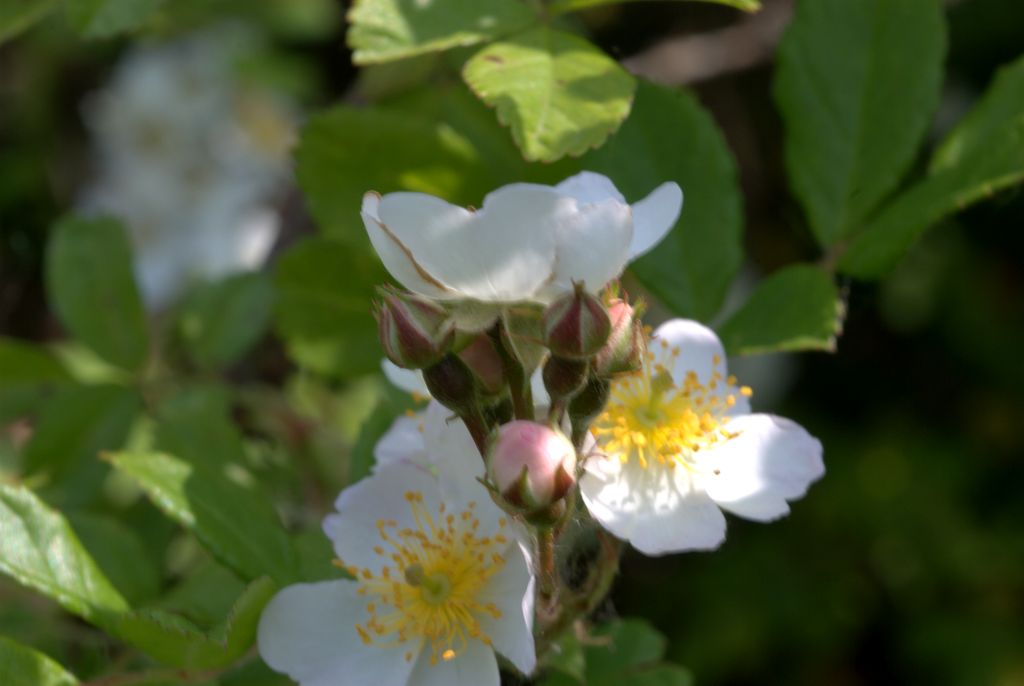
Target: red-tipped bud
pixel 415 332
pixel 626 345
pixel 576 325
pixel 531 465
pixel 482 358
pixel 563 377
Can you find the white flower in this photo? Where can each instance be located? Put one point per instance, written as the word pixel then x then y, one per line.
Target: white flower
pixel 527 243
pixel 189 160
pixel 677 442
pixel 441 584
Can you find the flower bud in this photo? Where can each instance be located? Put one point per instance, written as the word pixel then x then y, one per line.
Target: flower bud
pixel 451 383
pixel 576 325
pixel 532 465
pixel 563 377
pixel 483 359
pixel 626 345
pixel 586 405
pixel 414 331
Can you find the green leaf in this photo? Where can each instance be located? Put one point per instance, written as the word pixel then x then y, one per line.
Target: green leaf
pixel 28 374
pixel 563 6
pixel 670 137
pixel 324 307
pixel 175 641
pixel 220 322
pixel 345 152
pixel 74 427
pixel 983 155
pixel 23 666
pixel 857 84
pixel 383 30
pixel 625 653
pixel 18 15
pixel 119 553
pixel 196 426
pixel 104 18
pixel 39 550
pixel 560 94
pixel 205 594
pixel 236 523
pixel 90 283
pixel 392 404
pixel 796 308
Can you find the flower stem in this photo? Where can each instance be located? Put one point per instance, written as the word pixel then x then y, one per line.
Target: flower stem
pixel 478 430
pixel 546 566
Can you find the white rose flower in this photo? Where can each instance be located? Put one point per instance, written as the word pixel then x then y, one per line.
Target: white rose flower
pixel 677 442
pixel 527 243
pixel 440 585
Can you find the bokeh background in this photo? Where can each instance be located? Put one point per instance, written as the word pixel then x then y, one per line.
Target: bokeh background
pixel 904 565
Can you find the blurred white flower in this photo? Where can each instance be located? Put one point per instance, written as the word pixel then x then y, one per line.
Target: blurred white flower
pixel 527 242
pixel 440 585
pixel 189 159
pixel 677 442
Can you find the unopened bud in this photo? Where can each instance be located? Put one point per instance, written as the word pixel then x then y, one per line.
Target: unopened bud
pixel 626 345
pixel 563 377
pixel 484 360
pixel 532 465
pixel 586 405
pixel 415 332
pixel 451 383
pixel 576 325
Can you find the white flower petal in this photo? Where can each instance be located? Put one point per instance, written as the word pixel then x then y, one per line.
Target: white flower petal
pixel 537 388
pixel 593 247
pixel 452 451
pixel 698 348
pixel 512 591
pixel 353 530
pixel 475 666
pixel 654 217
pixel 308 632
pixel 504 252
pixel 657 510
pixel 409 380
pixel 396 256
pixel 772 460
pixel 402 443
pixel 588 187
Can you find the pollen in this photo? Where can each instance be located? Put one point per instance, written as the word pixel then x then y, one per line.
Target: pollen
pixel 653 420
pixel 428 587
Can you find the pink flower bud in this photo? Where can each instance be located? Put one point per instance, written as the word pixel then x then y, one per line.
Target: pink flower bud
pixel 482 358
pixel 531 465
pixel 576 325
pixel 625 348
pixel 415 332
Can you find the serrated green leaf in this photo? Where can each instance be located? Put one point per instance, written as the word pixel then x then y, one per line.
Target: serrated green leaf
pixel 857 84
pixel 323 309
pixel 558 93
pixel 563 6
pixel 796 308
pixel 670 137
pixel 39 550
pixel 237 524
pixel 18 15
pixel 383 30
pixel 23 666
pixel 105 18
pixel 119 553
pixel 344 152
pixel 90 284
pixel 175 641
pixel 28 374
pixel 983 155
pixel 195 425
pixel 74 427
pixel 220 322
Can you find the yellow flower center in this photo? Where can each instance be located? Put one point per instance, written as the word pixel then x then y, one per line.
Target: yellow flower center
pixel 429 581
pixel 655 421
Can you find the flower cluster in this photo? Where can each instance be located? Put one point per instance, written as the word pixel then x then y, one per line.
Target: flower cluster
pixel 189 158
pixel 549 401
